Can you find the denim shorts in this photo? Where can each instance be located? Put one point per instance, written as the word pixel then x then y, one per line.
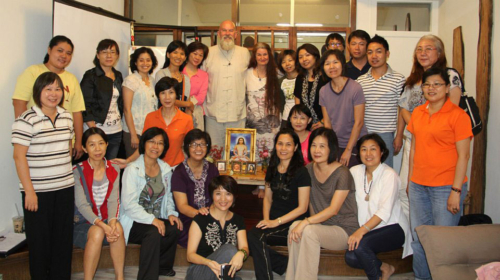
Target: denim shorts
pixel 80 235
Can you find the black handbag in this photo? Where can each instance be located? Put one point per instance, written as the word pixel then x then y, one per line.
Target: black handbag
pixel 468 104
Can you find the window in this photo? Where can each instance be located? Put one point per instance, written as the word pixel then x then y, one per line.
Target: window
pixel 404 16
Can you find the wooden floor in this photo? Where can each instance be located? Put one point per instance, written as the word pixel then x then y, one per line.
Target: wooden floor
pixel 131 274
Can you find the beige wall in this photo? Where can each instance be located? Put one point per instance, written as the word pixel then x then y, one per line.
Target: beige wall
pixel 115 6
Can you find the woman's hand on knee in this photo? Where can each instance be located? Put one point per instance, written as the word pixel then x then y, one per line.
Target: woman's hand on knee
pixel 175 220
pixel 354 239
pixel 236 263
pixel 296 233
pixel 160 225
pixel 215 267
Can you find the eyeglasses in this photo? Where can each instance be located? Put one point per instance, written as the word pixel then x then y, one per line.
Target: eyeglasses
pixel 335 44
pixel 434 85
pixel 197 145
pixel 425 50
pixel 153 142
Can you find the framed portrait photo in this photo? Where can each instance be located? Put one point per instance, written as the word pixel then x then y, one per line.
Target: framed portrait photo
pixel 251 167
pixel 240 144
pixel 221 165
pixel 236 166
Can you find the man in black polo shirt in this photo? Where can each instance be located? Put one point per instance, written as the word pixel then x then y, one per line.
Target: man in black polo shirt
pixel 357 43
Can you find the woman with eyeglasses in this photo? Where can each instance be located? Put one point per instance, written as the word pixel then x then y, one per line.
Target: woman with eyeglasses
pixel 429 52
pixel 191 179
pixel 169 118
pixel 438 161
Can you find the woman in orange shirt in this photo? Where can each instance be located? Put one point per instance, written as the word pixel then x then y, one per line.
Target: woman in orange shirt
pixel 169 118
pixel 437 184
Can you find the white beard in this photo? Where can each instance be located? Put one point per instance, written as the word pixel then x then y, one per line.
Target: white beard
pixel 225 45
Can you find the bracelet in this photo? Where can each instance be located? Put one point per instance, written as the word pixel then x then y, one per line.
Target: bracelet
pixel 307 219
pixel 245 254
pixel 279 221
pixel 367 228
pixel 456 190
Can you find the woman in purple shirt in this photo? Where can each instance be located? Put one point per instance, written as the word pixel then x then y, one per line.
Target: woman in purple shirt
pixel 196 53
pixel 191 179
pixel 343 104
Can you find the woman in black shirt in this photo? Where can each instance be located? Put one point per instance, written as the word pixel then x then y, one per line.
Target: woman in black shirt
pixel 219 237
pixel 286 200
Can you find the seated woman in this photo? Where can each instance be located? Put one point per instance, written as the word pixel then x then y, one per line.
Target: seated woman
pixel 191 178
pixel 333 208
pixel 286 200
pixel 219 237
pixel 300 120
pixel 97 201
pixel 384 226
pixel 240 151
pixel 148 212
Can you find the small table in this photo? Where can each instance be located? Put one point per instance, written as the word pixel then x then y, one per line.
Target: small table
pixel 257 179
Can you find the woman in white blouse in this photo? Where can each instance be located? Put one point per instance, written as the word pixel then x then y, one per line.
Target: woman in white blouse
pixel 383 225
pixel 139 97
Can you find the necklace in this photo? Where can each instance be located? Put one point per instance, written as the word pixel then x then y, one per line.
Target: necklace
pixel 258 76
pixel 280 166
pixel 367 197
pixel 228 59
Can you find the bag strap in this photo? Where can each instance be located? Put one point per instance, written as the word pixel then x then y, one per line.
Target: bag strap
pixel 85 189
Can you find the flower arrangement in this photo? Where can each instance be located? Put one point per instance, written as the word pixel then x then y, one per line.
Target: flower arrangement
pixel 264 157
pixel 215 154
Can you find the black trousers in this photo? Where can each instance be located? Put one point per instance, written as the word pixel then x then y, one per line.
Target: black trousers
pixel 265 259
pixel 385 239
pixel 157 252
pixel 49 233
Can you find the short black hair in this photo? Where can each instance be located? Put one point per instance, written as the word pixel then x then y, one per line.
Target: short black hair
pixel 55 41
pixel 359 34
pixel 167 83
pixel 151 133
pixel 104 45
pixel 135 56
pixel 379 40
pixel 46 79
pixel 331 139
pixel 176 44
pixel 375 137
pixel 197 134
pixel 93 131
pixel 299 109
pixel 226 182
pixel 282 56
pixel 436 71
pixel 339 55
pixel 335 36
pixel 194 46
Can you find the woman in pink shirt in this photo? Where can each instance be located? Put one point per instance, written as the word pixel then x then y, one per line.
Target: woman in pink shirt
pixel 300 120
pixel 196 54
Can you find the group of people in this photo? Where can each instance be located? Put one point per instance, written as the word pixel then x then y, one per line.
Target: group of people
pixel 332 126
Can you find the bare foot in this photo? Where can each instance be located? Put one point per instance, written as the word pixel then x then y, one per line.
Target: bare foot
pixel 387 271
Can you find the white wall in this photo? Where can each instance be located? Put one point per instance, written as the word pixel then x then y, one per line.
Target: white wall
pixel 28 29
pixel 115 6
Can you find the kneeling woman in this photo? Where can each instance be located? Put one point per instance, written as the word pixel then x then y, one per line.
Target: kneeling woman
pixel 148 212
pixel 97 184
pixel 219 237
pixel 384 226
pixel 333 208
pixel 286 200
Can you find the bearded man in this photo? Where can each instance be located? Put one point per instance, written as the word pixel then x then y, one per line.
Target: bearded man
pixel 225 105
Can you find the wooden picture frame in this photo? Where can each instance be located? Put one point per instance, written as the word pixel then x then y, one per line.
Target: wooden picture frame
pixel 221 165
pixel 251 167
pixel 236 166
pixel 240 144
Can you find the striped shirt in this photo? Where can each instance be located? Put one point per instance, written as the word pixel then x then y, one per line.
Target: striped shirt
pixel 382 96
pixel 48 143
pixel 99 191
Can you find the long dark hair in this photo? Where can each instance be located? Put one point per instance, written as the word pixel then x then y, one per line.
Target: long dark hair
pixel 171 48
pixel 272 87
pixel 297 160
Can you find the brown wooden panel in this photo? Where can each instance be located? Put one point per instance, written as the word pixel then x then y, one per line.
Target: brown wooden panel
pixel 458 51
pixel 483 75
pixel 353 14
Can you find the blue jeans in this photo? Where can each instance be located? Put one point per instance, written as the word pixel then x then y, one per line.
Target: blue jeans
pixel 114 141
pixel 388 138
pixel 385 239
pixel 428 206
